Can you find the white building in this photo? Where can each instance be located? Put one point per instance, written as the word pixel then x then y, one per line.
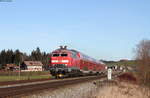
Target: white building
pixel 32 66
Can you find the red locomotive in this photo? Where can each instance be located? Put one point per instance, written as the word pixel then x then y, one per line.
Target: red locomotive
pixel 66 62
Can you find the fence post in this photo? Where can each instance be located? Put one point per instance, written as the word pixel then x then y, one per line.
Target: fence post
pixel 109 74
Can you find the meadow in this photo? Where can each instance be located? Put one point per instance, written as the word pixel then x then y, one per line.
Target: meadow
pixel 14 76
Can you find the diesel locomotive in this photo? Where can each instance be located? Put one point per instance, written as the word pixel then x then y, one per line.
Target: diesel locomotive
pixel 68 62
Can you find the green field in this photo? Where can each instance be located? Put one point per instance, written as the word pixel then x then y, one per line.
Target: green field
pixel 14 76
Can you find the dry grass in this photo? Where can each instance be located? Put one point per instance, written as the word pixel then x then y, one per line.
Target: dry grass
pixel 103 89
pixel 123 90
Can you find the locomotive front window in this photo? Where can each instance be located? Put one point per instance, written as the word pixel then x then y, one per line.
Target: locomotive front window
pixel 64 55
pixel 74 55
pixel 55 55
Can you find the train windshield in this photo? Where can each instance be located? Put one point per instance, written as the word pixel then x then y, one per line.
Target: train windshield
pixel 64 55
pixel 55 55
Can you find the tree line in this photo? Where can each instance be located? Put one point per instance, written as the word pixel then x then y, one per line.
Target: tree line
pixel 16 57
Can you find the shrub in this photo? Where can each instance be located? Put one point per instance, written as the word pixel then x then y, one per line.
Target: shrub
pixel 143 58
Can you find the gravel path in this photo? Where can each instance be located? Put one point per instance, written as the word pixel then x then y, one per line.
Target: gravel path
pixel 83 90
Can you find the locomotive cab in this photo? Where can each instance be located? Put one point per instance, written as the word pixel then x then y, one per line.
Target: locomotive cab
pixel 60 62
pixel 60 58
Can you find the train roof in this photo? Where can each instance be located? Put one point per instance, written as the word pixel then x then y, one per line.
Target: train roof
pixel 84 56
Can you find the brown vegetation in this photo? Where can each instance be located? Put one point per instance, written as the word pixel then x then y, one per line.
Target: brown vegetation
pixel 143 58
pixel 129 77
pixel 123 90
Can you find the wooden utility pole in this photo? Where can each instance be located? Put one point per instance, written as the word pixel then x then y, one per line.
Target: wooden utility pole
pixel 19 70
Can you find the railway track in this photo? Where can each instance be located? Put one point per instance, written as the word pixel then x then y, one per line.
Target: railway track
pixel 21 90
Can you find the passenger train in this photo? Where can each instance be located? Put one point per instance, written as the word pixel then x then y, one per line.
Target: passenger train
pixel 68 62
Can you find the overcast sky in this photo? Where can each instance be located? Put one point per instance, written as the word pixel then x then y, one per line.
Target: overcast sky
pixel 103 29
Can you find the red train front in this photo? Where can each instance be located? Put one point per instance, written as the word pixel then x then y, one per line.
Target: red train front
pixel 65 62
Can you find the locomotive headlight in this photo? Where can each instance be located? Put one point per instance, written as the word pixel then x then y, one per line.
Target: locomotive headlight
pixel 54 61
pixel 65 61
pixel 65 64
pixel 60 75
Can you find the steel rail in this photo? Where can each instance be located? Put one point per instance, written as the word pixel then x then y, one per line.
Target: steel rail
pixel 30 89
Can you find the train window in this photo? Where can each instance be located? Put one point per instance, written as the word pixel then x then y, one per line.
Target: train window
pixel 55 55
pixel 74 55
pixel 64 54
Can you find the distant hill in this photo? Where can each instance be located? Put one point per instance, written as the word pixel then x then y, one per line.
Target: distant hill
pixel 121 62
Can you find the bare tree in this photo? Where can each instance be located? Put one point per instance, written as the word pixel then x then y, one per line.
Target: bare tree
pixel 143 58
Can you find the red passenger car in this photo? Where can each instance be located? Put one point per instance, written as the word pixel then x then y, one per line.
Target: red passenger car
pixel 66 62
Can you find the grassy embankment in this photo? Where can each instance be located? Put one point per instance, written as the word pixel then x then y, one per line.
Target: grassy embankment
pixel 123 90
pixel 14 76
